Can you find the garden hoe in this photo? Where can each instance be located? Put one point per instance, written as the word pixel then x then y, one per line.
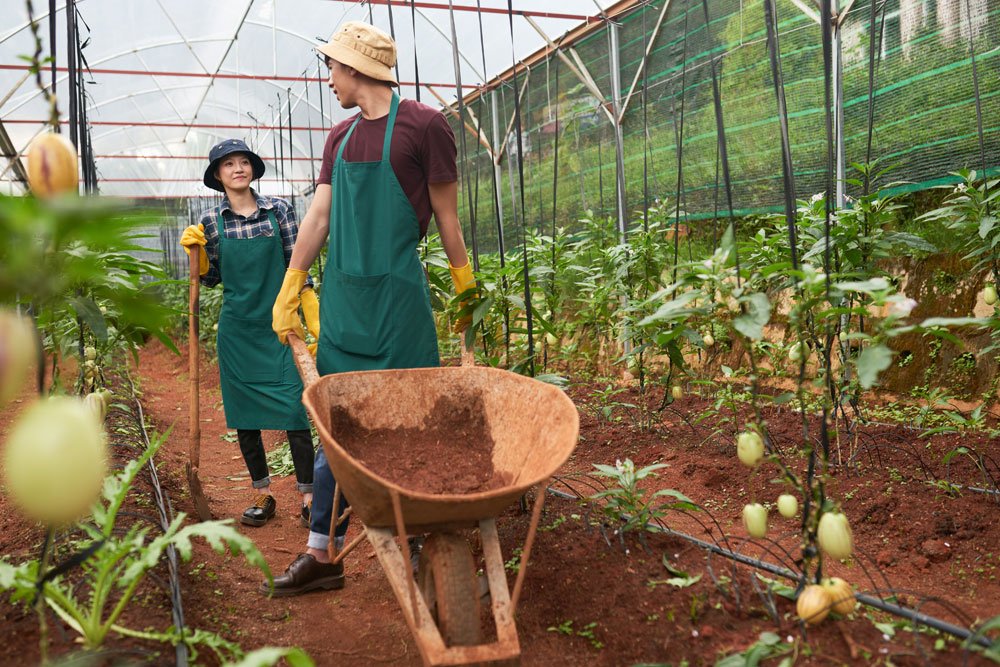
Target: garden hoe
pixel 194 426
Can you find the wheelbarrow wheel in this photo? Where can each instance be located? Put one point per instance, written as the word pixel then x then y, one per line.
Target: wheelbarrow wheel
pixel 447 580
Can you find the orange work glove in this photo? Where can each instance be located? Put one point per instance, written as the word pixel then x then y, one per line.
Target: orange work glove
pixel 310 311
pixel 465 290
pixel 285 312
pixel 194 235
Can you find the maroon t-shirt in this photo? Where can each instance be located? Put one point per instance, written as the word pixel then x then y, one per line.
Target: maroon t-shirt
pixel 422 151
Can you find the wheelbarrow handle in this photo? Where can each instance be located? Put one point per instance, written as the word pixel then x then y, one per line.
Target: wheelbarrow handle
pixel 303 360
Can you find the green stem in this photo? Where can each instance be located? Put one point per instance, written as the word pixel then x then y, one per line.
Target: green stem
pixel 43 628
pixel 122 603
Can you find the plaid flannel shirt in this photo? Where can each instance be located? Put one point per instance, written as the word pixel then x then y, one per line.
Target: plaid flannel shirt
pixel 240 227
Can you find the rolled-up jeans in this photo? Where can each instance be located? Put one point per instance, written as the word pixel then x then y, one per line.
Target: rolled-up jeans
pixel 299 442
pixel 322 507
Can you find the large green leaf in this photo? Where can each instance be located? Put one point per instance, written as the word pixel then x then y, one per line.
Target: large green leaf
pixel 758 313
pixel 271 655
pixel 872 361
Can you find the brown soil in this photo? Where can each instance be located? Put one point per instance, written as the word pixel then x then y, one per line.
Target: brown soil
pixel 450 453
pixel 594 595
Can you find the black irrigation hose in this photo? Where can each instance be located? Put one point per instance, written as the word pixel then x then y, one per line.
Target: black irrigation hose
pixel 392 33
pixel 173 567
pixel 520 179
pixel 680 154
pixel 720 128
pixel 787 170
pixel 645 126
pixel 979 105
pixel 416 65
pixel 872 47
pixel 876 603
pixel 461 131
pixel 291 146
pixel 555 176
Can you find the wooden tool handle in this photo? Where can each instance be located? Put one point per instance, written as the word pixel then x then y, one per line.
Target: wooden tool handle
pixel 303 360
pixel 194 424
pixel 468 353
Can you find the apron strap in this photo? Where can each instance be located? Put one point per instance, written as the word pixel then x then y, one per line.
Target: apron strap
pixel 389 125
pixel 393 107
pixel 274 223
pixel 343 142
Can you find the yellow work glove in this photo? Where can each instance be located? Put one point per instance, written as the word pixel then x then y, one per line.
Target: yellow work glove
pixel 285 312
pixel 194 235
pixel 464 281
pixel 310 311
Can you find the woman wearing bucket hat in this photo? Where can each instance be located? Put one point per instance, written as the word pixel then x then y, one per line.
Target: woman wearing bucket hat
pixel 247 242
pixel 385 172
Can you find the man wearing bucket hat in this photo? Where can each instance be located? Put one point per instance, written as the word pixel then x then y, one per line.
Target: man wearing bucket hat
pixel 385 172
pixel 247 242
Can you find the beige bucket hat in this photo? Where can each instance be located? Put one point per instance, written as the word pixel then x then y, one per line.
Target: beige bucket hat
pixel 365 48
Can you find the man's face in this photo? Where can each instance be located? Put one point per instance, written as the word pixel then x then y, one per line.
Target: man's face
pixel 235 171
pixel 342 83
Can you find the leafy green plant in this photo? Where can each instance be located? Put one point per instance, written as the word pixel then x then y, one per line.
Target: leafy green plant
pixel 769 645
pixel 587 632
pixel 71 262
pixel 111 575
pixel 628 506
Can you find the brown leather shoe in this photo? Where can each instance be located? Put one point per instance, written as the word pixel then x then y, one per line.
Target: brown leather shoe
pixel 306 574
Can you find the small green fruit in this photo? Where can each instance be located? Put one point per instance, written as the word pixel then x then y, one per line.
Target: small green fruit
pixel 990 295
pixel 677 392
pixel 755 519
pixel 834 535
pixel 18 350
pixel 55 460
pixel 788 505
pixel 708 340
pixel 749 448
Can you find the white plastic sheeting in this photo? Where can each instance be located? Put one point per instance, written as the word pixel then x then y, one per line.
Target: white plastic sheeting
pixel 169 78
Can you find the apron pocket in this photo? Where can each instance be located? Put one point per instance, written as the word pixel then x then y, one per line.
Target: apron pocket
pixel 362 312
pixel 249 351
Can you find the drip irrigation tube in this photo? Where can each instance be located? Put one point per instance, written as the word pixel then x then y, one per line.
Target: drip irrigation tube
pixel 177 603
pixel 874 602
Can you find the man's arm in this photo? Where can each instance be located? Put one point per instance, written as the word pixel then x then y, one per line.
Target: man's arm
pixel 312 234
pixel 444 203
pixel 313 230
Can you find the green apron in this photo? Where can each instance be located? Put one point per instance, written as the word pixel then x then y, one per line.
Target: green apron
pixel 260 387
pixel 375 311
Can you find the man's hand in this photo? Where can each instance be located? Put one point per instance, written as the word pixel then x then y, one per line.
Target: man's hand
pixel 310 311
pixel 465 289
pixel 285 312
pixel 194 236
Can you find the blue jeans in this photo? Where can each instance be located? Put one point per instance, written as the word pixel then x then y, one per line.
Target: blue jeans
pixel 322 507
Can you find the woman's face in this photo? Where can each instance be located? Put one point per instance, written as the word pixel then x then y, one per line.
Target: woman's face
pixel 235 172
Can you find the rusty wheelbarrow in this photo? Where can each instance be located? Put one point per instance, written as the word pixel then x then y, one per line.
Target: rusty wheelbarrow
pixel 534 427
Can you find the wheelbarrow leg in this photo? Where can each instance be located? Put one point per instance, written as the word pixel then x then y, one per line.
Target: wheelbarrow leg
pixel 496 576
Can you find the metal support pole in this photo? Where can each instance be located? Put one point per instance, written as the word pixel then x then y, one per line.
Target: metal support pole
pixel 838 105
pixel 497 143
pixel 616 123
pixel 616 97
pixel 71 77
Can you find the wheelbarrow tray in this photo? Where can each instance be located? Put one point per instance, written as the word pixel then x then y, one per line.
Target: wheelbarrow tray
pixel 534 425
